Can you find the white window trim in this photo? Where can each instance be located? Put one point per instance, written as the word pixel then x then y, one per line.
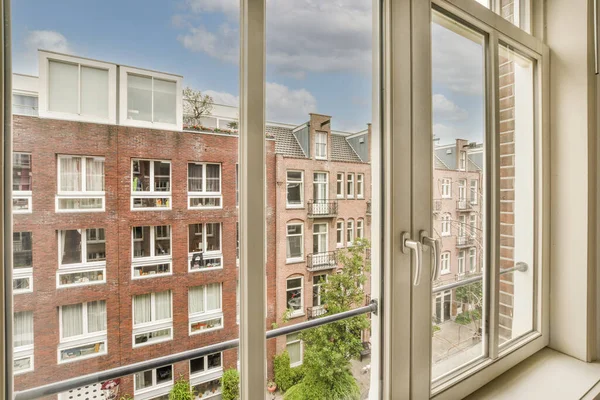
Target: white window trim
pixel 461 260
pixel 23 273
pixel 124 72
pixel 444 271
pixel 360 227
pixel 340 183
pixel 154 389
pixel 86 338
pixel 208 374
pixel 319 234
pixel 23 194
pixel 319 134
pixel 472 260
pixel 296 364
pixel 447 183
pixel 44 65
pixel 152 259
pixel 22 354
pixel 83 266
pixel 474 189
pixel 299 312
pixel 319 285
pixel 83 193
pixel 197 317
pixel 446 223
pixel 152 194
pixel 350 228
pixel 360 186
pixel 206 255
pixel 204 194
pixel 343 231
pixel 300 258
pixel 154 325
pixel 350 184
pixel 288 205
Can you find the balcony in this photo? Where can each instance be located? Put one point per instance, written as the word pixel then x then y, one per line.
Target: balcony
pixel 463 205
pixel 321 261
pixel 315 312
pixel 368 208
pixel 465 241
pixel 322 208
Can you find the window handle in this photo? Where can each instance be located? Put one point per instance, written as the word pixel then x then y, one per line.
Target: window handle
pixel 435 245
pixel 417 247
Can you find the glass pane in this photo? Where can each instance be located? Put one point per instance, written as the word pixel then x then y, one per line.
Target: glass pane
pixel 63 87
pixel 70 250
pixel 21 172
pixel 94 92
pixel 517 12
pixel 165 101
pixel 70 174
pixel 139 98
pixel 516 195
pixel 459 153
pixel 22 250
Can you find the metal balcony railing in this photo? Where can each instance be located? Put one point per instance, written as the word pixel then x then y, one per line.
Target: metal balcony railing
pixel 321 261
pixel 465 241
pixel 463 205
pixel 315 312
pixel 322 208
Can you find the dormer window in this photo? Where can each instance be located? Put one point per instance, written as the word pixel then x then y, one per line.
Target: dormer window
pixel 321 145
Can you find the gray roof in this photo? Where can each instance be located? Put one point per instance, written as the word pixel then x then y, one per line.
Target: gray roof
pixel 342 151
pixel 445 158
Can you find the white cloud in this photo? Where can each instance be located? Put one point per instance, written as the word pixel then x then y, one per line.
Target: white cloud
pixel 222 44
pixel 25 58
pixel 223 98
pixel 446 110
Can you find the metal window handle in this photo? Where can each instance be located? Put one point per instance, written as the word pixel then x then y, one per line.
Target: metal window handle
pixel 417 247
pixel 435 245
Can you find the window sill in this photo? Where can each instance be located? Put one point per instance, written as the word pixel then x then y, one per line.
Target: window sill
pixel 294 261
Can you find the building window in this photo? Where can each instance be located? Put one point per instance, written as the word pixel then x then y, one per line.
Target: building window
pixel 150 184
pixel 461 262
pixel 462 165
pixel 151 99
pixel 82 257
pixel 340 185
pixel 204 186
pixel 294 349
pixel 153 382
pixel 462 221
pixel 151 251
pixel 205 246
pixel 210 389
pixel 340 234
pixel 205 365
pixel 360 186
pixel 22 262
pixel 78 89
pixel 445 258
pixel 22 183
pixel 474 191
pixel 205 312
pixel 237 185
pixel 350 185
pixel 295 243
pixel 295 189
pixel 472 225
pixel 319 238
pixel 321 145
pixel 318 280
pixel 80 184
pixel 446 188
pixel 152 318
pixel 294 288
pixel 350 232
pixel 472 260
pixel 25 105
pixel 82 331
pixel 360 229
pixel 320 188
pixel 445 225
pixel 22 342
pixel 462 190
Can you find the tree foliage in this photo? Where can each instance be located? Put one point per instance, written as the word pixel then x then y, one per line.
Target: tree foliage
pixel 328 349
pixel 230 385
pixel 285 375
pixel 181 390
pixel 195 105
pixel 471 299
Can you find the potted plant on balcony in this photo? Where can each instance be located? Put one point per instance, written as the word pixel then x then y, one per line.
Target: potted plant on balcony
pixel 271 387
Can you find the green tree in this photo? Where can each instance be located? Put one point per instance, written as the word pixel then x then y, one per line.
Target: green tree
pixel 230 383
pixel 195 105
pixel 470 298
pixel 328 349
pixel 181 390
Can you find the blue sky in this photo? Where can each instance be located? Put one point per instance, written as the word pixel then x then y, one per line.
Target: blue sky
pixel 318 53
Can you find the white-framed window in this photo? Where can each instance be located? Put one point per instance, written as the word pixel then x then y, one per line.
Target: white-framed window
pixel 207 364
pixel 295 242
pixel 151 251
pixel 153 382
pixel 473 225
pixel 77 89
pixel 82 331
pixel 23 342
pixel 81 257
pixel 294 348
pixel 318 281
pixel 350 232
pixel 350 185
pixel 80 184
pixel 205 374
pixel 208 389
pixel 360 186
pixel 360 230
pixel 22 262
pixel 339 230
pixel 153 100
pixel 320 238
pixel 462 221
pixel 321 145
pixel 474 191
pixel 462 161
pixel 339 188
pixel 295 189
pixel 152 318
pixel 204 186
pixel 445 262
pixel 446 225
pixel 472 259
pixel 204 251
pixel 22 183
pixel 294 295
pixel 150 184
pixel 205 310
pixel 25 104
pixel 461 262
pixel 446 188
pixel 462 189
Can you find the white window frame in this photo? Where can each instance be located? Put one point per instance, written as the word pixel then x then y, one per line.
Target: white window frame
pixel 360 186
pixel 208 254
pixel 472 259
pixel 204 194
pixel 86 338
pixel 350 232
pixel 25 352
pixel 360 227
pixel 152 259
pixel 318 285
pixel 83 194
pixel 462 190
pixel 287 182
pixel 208 374
pixel 152 194
pixel 445 261
pixel 473 225
pixel 462 229
pixel 206 315
pixel 339 231
pixel 446 225
pixel 24 194
pixel 23 273
pixel 350 185
pixel 83 266
pixel 300 258
pixel 296 364
pixel 461 262
pixel 154 325
pixel 317 236
pixel 44 96
pixel 446 188
pixel 474 191
pixel 340 188
pixel 124 73
pixel 155 389
pixel 320 145
pixel 300 311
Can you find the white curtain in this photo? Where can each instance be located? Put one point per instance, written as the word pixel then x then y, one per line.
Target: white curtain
pixel 163 305
pixel 195 178
pixel 72 320
pixel 213 297
pixel 70 174
pixel 94 92
pixel 213 176
pixel 94 179
pixel 63 91
pixel 196 299
pixel 97 316
pixel 142 309
pixel 23 328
